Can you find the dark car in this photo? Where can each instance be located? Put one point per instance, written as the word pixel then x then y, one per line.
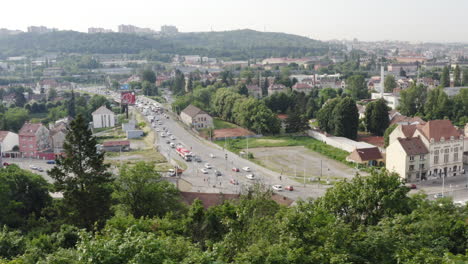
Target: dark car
pixel 197 159
pixel 217 173
pixel 50 162
pixel 6 164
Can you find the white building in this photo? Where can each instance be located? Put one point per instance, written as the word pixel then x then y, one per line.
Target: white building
pixel 8 140
pixel 103 117
pixel 392 100
pixel 444 144
pixel 195 117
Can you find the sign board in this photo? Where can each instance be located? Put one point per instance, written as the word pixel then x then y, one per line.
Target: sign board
pixel 128 98
pixel 125 86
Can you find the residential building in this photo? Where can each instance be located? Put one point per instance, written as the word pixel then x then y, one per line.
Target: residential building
pixel 40 29
pixel 392 100
pixel 444 142
pixel 254 90
pixel 366 156
pixel 276 88
pixel 409 68
pixel 414 164
pixel 195 117
pixel 57 137
pixel 8 140
pixel 93 30
pixel 103 117
pixel 169 30
pixel 33 138
pixel 302 87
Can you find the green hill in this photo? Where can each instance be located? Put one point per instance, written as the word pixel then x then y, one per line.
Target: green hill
pixel 237 44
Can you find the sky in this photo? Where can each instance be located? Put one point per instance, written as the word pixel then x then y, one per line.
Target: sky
pixel 368 20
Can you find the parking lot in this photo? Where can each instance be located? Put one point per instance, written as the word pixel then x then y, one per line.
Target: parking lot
pixel 26 163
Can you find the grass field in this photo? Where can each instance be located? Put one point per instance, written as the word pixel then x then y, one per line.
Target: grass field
pixel 220 124
pixel 236 145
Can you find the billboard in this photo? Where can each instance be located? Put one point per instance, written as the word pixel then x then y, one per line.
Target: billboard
pixel 128 98
pixel 125 86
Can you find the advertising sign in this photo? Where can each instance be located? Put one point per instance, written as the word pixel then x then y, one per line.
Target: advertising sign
pixel 128 98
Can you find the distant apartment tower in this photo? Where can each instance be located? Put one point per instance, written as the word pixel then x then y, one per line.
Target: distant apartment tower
pixel 98 30
pixel 127 29
pixel 40 29
pixel 169 30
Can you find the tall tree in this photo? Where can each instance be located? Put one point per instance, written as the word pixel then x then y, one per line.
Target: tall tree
pixel 149 76
pixel 264 87
pixel 438 105
pixel 83 178
pixel 296 121
pixel 346 118
pixel 71 106
pixel 324 115
pixel 465 77
pixel 243 90
pixel 376 118
pixel 445 77
pixel 390 83
pixel 357 87
pixel 142 192
pixel 457 76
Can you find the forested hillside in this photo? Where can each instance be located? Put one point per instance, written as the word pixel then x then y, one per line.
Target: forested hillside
pixel 238 44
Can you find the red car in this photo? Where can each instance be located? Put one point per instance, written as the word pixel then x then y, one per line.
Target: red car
pixel 289 188
pixel 6 164
pixel 235 169
pixel 235 182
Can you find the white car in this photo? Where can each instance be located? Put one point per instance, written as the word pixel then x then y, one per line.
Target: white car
pixel 163 135
pixel 208 166
pixel 172 145
pixel 173 138
pixel 157 129
pixel 212 155
pixel 277 187
pixel 168 133
pixel 250 176
pixel 204 171
pixel 246 169
pixel 32 167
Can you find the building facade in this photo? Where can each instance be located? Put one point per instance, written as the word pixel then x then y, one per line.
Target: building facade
pixel 8 140
pixel 33 138
pixel 196 118
pixel 103 117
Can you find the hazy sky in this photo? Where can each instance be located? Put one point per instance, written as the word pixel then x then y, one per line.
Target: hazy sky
pixel 413 20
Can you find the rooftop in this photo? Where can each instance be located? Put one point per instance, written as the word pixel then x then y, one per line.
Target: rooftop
pixel 192 111
pixel 413 146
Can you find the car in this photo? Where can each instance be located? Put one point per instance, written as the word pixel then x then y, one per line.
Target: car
pixel 250 176
pixel 39 169
pixel 289 188
pixel 157 129
pixel 168 133
pixel 277 187
pixel 171 172
pixel 438 195
pixel 234 182
pixel 197 159
pixel 168 141
pixel 208 166
pixel 235 169
pixel 212 156
pixel 246 169
pixel 217 173
pixel 173 138
pixel 159 123
pixel 172 145
pixel 163 134
pixel 32 167
pixel 6 164
pixel 204 171
pixel 412 186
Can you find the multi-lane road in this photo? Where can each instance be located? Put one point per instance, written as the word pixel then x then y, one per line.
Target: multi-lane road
pixel 223 161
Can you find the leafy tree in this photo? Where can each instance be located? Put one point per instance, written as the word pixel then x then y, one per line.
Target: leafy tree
pixel 402 72
pixel 14 118
pixel 445 77
pixel 345 118
pixel 71 106
pixel 412 100
pixel 357 87
pixel 12 244
pixel 83 178
pixel 149 76
pixel 243 90
pixel 296 121
pixel 178 85
pixel 20 100
pixel 457 76
pixel 22 195
pixel 142 191
pixel 52 94
pixel 437 104
pixel 460 107
pixel 115 85
pixel 387 133
pixel 465 77
pixel 325 117
pixel 264 87
pixel 390 83
pixel 376 118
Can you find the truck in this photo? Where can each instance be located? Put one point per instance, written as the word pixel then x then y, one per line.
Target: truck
pixel 184 153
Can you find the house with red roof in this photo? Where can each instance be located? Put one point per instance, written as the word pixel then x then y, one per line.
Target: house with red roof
pixel 33 138
pixel 442 140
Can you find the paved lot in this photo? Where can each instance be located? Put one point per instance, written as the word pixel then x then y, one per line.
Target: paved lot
pixel 25 163
pixel 295 161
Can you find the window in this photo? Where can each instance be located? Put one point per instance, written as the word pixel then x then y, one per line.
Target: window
pixel 421 166
pixel 436 152
pixel 446 158
pixel 436 159
pixel 455 156
pixel 421 157
pixel 411 167
pixel 447 150
pixel 411 158
pixel 455 149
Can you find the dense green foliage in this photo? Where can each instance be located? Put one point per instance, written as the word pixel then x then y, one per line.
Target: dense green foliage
pixel 365 220
pixel 376 117
pixel 390 83
pixel 237 44
pixel 339 117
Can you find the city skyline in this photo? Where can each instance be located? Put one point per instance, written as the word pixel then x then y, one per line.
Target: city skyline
pixel 415 21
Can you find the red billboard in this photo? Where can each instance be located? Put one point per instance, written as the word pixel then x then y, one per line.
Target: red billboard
pixel 128 98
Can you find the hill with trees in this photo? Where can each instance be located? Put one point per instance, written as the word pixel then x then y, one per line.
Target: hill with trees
pixel 237 44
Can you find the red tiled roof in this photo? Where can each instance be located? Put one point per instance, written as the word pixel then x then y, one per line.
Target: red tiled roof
pixel 365 154
pixel 29 129
pixel 437 129
pixel 116 143
pixel 208 199
pixel 282 116
pixel 408 130
pixel 413 146
pixel 302 86
pixel 401 118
